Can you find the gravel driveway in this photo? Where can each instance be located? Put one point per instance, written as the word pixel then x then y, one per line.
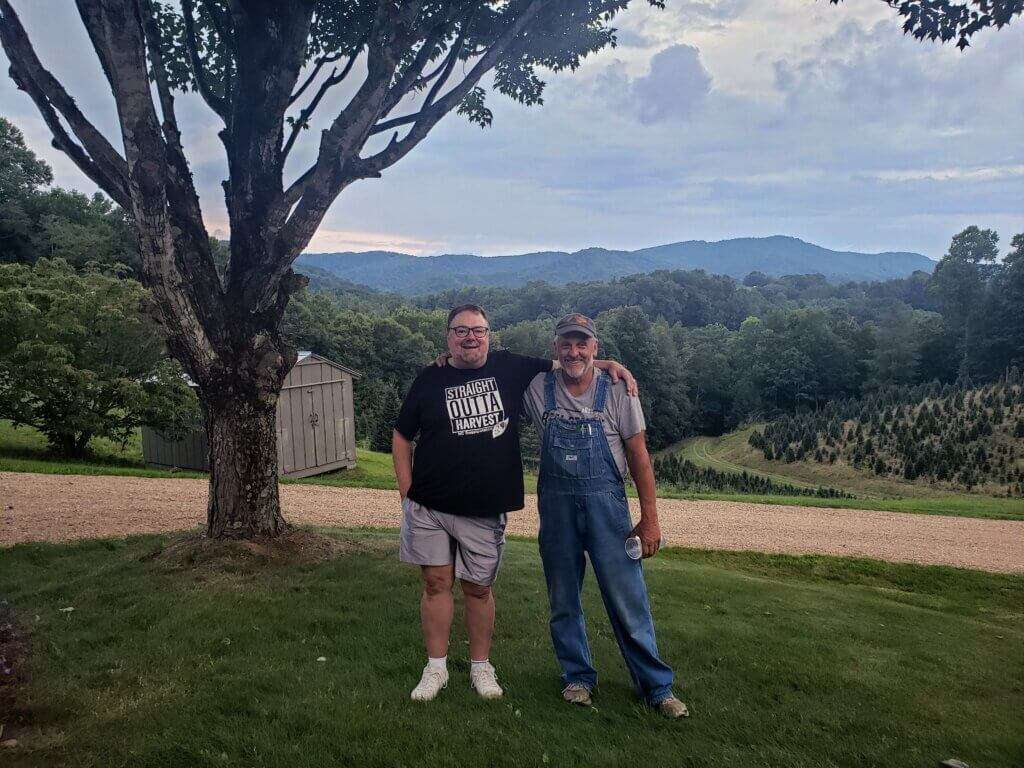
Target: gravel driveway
pixel 65 507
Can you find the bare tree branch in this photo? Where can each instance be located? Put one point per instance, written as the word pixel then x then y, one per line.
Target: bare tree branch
pixel 170 120
pixel 176 262
pixel 96 156
pixel 449 64
pixel 444 70
pixel 320 62
pixel 426 120
pixel 294 193
pixel 278 32
pixel 296 190
pixel 341 141
pixel 303 119
pixel 412 72
pixel 336 167
pixel 424 79
pixel 181 190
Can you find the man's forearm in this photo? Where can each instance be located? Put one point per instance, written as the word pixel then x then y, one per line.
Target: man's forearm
pixel 642 472
pixel 401 455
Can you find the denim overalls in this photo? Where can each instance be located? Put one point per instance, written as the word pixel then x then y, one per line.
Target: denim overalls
pixel 583 507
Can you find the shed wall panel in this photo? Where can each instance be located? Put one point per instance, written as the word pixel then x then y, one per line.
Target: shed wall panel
pixel 350 422
pixel 298 434
pixel 280 430
pixel 305 446
pixel 330 432
pixel 284 432
pixel 319 424
pixel 310 373
pixel 308 437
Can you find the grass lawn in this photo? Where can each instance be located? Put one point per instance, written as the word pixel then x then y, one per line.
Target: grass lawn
pixel 785 661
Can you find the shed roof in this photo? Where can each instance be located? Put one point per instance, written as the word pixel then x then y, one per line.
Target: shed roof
pixel 305 357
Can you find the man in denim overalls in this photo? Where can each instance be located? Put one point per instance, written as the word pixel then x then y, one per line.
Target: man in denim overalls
pixel 591 430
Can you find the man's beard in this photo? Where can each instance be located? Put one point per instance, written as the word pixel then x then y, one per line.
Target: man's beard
pixel 587 366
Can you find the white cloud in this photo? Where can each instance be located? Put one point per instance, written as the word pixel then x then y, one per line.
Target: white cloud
pixel 675 86
pixel 952 174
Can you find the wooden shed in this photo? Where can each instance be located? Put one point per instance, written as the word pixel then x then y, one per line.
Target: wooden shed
pixel 315 425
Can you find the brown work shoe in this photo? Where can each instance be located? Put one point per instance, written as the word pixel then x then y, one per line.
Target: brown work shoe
pixel 576 693
pixel 672 708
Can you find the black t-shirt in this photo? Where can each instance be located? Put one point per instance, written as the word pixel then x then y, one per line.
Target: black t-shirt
pixel 466 425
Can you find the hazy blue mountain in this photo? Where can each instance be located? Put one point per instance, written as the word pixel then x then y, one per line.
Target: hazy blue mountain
pixel 775 256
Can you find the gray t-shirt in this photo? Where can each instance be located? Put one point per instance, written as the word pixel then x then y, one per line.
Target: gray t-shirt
pixel 623 415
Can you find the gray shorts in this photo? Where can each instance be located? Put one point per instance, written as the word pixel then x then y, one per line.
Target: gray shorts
pixel 473 544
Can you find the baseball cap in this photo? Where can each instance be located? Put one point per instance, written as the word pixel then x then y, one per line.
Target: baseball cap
pixel 576 323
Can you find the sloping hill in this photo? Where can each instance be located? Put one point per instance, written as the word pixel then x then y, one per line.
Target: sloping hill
pixel 732 453
pixel 955 438
pixel 774 256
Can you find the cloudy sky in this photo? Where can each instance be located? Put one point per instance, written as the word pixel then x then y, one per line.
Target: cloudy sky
pixel 710 120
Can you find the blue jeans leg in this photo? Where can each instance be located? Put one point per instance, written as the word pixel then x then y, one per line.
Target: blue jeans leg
pixel 624 592
pixel 561 552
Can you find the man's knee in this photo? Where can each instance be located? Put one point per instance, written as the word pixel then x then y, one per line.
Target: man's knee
pixel 476 591
pixel 437 581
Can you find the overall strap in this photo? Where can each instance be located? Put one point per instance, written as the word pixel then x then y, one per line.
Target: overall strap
pixel 549 391
pixel 602 390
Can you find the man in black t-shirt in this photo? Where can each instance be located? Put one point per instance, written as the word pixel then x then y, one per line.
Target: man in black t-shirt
pixel 467 476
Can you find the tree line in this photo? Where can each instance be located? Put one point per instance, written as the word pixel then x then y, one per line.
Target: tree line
pixel 710 352
pixel 682 473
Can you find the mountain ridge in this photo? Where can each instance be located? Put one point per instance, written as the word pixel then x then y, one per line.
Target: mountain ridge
pixel 775 256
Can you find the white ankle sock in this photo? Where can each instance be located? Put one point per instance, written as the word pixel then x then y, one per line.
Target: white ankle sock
pixel 476 663
pixel 441 663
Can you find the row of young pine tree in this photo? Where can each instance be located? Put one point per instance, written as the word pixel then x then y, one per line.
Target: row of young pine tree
pixel 685 475
pixel 960 436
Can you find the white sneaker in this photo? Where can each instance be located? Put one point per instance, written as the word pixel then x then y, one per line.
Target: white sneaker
pixel 484 681
pixel 431 683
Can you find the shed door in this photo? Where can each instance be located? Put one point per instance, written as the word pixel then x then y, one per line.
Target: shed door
pixel 331 408
pixel 310 420
pixel 318 420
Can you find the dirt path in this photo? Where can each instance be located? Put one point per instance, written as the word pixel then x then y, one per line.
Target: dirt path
pixel 65 507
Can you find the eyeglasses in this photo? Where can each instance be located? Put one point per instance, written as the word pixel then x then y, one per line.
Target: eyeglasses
pixel 462 331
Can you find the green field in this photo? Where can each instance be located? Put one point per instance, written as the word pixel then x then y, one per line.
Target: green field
pixel 732 453
pixel 784 661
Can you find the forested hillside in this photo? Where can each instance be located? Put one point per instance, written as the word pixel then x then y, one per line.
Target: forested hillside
pixel 962 437
pixel 773 256
pixel 711 352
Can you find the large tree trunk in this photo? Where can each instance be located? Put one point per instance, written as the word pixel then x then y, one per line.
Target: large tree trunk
pixel 243 501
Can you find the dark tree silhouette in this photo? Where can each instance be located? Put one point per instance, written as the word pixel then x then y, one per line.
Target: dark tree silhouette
pixel 947 20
